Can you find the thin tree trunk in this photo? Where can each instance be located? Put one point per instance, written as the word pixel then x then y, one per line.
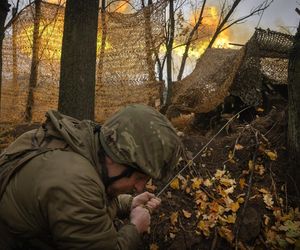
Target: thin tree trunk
pixel 14 54
pixel 224 21
pixel 294 111
pixel 103 41
pixel 4 8
pixel 34 61
pixel 188 43
pixel 149 42
pixel 78 59
pixel 169 53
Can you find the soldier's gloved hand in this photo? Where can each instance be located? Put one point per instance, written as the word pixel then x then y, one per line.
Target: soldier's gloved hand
pixel 146 199
pixel 140 217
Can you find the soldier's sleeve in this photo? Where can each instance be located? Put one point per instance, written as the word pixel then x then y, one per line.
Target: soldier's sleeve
pixel 77 215
pixel 120 206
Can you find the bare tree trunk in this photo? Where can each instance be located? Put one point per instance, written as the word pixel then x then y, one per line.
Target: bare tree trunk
pixel 14 54
pixel 169 52
pixel 223 22
pixel 103 41
pixel 4 8
pixel 294 111
pixel 188 43
pixel 149 42
pixel 34 61
pixel 78 59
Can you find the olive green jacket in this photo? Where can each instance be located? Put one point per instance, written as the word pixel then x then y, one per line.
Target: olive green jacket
pixel 58 198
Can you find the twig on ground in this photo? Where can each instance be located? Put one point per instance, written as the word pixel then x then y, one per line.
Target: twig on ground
pixel 215 239
pixel 248 191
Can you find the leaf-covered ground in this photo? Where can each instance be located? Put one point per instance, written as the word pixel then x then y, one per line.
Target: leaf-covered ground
pixel 235 195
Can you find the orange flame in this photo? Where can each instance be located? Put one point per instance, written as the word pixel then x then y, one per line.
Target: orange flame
pixel 122 7
pixel 207 28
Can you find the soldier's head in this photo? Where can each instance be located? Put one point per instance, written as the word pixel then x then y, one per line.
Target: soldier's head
pixel 139 143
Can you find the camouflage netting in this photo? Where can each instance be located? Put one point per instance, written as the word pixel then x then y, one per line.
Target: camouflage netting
pixel 125 73
pixel 239 72
pixel 206 87
pixel 266 57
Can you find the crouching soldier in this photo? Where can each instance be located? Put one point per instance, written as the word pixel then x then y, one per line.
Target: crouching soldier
pixel 62 184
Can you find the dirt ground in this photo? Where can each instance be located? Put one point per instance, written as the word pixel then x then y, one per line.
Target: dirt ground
pixel 235 194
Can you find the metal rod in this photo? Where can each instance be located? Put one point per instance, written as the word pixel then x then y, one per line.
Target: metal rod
pixel 191 161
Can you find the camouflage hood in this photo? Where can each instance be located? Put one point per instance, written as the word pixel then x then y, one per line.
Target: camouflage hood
pixel 141 137
pixel 79 135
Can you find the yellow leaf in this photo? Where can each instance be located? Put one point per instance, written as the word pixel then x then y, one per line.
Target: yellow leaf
pixel 260 168
pixel 272 155
pixel 231 218
pixel 229 190
pixel 172 235
pixel 175 184
pixel 234 206
pixel 174 218
pixel 226 234
pixel 264 191
pixel 240 200
pixel 219 173
pixel 196 182
pixel 242 182
pixel 260 110
pixel 238 147
pixel 207 183
pixel 266 220
pixel 268 200
pixel 250 164
pixel 186 213
pixel 204 227
pixel 230 157
pixel 153 246
pixel 227 182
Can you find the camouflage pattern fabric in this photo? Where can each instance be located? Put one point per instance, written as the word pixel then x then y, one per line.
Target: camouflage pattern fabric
pixel 141 137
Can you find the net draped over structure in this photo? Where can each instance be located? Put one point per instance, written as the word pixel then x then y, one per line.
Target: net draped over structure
pixel 266 59
pixel 220 72
pixel 126 45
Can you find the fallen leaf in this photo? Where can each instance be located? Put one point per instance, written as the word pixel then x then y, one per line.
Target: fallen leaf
pixel 172 235
pixel 219 173
pixel 153 246
pixel 174 218
pixel 196 182
pixel 260 110
pixel 266 220
pixel 229 190
pixel 227 182
pixel 272 155
pixel 260 168
pixel 226 234
pixel 264 191
pixel 238 147
pixel 175 184
pixel 242 182
pixel 203 226
pixel 250 165
pixel 268 200
pixel 207 183
pixel 186 214
pixel 230 157
pixel 234 206
pixel 241 200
